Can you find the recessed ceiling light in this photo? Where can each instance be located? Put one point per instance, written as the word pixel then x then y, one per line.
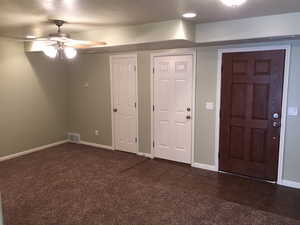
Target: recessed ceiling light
pixel 189 15
pixel 233 3
pixel 30 36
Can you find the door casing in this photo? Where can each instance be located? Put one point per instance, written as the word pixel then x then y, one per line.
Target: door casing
pixel 287 48
pixel 111 58
pixel 173 52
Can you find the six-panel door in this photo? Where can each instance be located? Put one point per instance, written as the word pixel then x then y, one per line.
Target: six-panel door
pixel 124 103
pixel 173 102
pixel 251 102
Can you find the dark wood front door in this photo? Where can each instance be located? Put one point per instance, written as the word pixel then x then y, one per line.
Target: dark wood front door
pixel 251 102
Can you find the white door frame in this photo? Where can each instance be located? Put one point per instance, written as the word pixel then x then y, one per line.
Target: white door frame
pixel 173 52
pixel 284 99
pixel 111 58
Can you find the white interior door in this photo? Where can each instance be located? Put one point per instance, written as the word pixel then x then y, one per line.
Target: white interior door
pixel 173 85
pixel 124 91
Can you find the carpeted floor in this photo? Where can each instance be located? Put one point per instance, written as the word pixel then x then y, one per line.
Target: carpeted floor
pixel 79 185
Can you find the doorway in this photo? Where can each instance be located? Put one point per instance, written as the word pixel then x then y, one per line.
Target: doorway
pixel 124 102
pixel 173 112
pixel 252 113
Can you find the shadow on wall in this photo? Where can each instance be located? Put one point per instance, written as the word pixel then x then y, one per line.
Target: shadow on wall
pixel 49 94
pixel 33 99
pixel 50 81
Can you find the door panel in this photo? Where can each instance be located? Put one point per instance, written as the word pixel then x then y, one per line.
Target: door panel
pixel 124 103
pixel 172 98
pixel 252 84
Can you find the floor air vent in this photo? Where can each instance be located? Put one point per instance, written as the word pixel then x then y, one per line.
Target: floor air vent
pixel 74 138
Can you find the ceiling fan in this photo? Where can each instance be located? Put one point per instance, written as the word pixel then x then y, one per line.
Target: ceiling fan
pixel 61 45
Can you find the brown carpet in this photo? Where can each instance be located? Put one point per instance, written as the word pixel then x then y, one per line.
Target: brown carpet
pixel 78 185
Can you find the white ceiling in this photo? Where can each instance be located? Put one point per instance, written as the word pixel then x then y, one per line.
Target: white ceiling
pixel 25 17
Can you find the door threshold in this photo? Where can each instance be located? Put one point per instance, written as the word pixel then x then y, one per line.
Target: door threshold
pixel 247 177
pixel 172 161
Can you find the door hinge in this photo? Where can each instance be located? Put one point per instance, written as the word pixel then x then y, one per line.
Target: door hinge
pixel 134 68
pixel 153 144
pixel 153 108
pixel 136 140
pixel 135 105
pixel 222 69
pixel 153 70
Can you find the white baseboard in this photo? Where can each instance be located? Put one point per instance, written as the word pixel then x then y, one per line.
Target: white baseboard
pixel 12 156
pixel 289 183
pixel 204 166
pixel 96 145
pixel 147 155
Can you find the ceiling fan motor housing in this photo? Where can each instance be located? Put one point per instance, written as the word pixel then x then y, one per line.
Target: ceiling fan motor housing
pixel 59 35
pixel 59 23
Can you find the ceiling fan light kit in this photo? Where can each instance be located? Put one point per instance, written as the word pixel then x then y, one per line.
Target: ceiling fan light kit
pixel 61 45
pixel 59 48
pixel 61 51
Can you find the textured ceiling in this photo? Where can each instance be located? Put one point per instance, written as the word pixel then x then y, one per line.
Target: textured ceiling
pixel 25 17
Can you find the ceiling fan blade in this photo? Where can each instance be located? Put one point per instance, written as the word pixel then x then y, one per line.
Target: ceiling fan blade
pixel 81 44
pixel 42 44
pixel 22 39
pixel 48 42
pixel 40 39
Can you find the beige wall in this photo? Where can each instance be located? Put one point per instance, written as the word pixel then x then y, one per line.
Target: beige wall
pixel 264 27
pixel 207 59
pixel 90 107
pixel 40 104
pixel 144 67
pixel 33 99
pixel 292 148
pixel 145 33
pixel 206 80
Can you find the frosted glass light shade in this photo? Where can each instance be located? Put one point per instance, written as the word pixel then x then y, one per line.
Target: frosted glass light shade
pixel 50 51
pixel 70 53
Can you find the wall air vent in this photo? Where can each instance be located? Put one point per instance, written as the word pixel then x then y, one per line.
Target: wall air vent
pixel 74 138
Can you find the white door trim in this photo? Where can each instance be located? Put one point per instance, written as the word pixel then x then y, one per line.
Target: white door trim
pixel 173 52
pixel 112 99
pixel 284 100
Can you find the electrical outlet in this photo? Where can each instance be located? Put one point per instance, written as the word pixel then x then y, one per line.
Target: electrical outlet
pixel 97 132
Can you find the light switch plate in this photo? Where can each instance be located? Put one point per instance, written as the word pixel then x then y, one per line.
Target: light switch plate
pixel 293 111
pixel 209 106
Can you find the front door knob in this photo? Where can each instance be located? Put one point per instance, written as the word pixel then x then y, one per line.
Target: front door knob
pixel 188 117
pixel 115 110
